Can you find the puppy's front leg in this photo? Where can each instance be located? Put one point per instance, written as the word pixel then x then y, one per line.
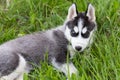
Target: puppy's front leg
pixel 67 68
pixel 70 69
pixel 20 77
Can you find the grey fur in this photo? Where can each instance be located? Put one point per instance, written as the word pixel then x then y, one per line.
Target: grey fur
pixel 33 48
pixel 8 62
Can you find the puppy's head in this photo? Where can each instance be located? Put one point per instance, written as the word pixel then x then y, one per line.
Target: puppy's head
pixel 79 27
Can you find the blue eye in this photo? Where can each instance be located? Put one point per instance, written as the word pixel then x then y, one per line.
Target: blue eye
pixel 73 33
pixel 85 35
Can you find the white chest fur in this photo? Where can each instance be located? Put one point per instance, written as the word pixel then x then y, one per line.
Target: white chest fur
pixel 71 50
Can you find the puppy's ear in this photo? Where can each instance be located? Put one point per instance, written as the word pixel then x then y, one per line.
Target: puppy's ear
pixel 72 12
pixel 91 13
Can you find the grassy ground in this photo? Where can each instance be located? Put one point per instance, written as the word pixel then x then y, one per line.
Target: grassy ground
pixel 100 62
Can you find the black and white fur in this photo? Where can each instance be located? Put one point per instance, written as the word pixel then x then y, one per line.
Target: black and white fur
pixel 75 34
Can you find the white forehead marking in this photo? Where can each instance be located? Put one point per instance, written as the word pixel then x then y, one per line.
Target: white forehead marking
pixel 84 30
pixel 80 24
pixel 76 29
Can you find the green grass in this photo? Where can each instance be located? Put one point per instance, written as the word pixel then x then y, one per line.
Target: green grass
pixel 100 62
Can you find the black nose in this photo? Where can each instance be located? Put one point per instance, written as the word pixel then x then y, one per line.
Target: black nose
pixel 78 48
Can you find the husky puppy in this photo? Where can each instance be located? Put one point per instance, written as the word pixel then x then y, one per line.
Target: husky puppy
pixel 74 35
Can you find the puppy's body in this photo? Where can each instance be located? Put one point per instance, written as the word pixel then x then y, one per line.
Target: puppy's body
pixel 33 49
pixel 33 46
pixel 16 56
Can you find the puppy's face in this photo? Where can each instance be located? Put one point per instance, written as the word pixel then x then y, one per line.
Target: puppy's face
pixel 80 27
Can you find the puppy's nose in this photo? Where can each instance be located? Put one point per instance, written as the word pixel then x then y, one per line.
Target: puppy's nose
pixel 78 48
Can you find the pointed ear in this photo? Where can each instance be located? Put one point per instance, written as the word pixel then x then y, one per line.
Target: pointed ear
pixel 91 13
pixel 72 12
